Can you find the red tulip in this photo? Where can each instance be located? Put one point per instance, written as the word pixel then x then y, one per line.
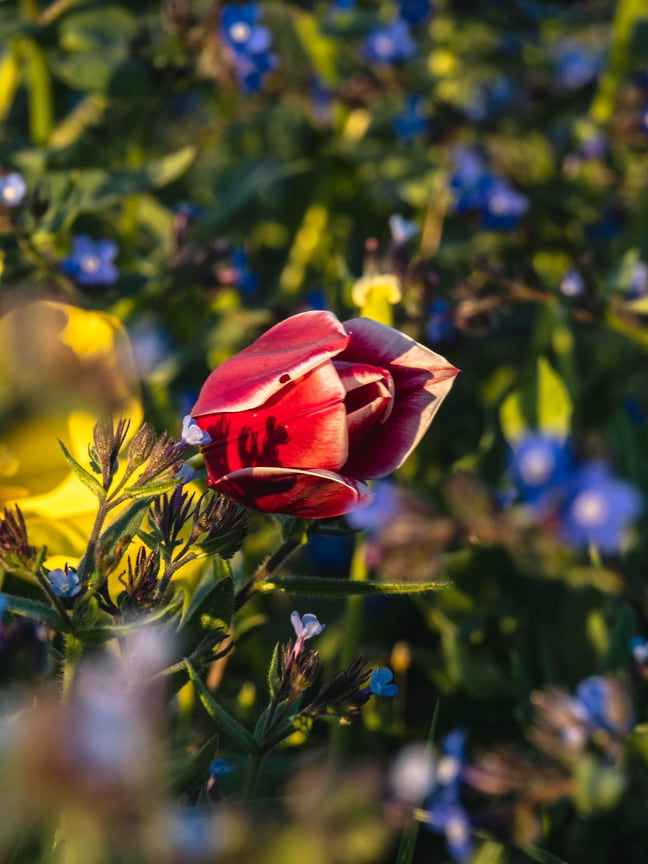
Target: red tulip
pixel 314 407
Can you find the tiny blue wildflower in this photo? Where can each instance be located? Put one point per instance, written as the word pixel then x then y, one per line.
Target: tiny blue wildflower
pixel 249 45
pixel 381 682
pixel 382 509
pixel 576 65
pixel 414 11
pixel 599 509
pixel 444 812
pixel 440 326
pixel 220 768
pixel 12 189
pixel 307 626
pixel 639 648
pixel 186 474
pixel 65 583
pixel 412 120
pixel 193 434
pixel 91 263
pixel 390 44
pixel 246 281
pixel 572 284
pixel 402 230
pixel 539 465
pixel 504 206
pixel 605 704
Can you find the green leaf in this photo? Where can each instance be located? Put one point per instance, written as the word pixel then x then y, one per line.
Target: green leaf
pixel 320 49
pixel 222 718
pixel 312 586
pixel 273 671
pixel 187 771
pixel 37 610
pixel 84 476
pixel 127 525
pixel 110 631
pixel 151 490
pixel 163 171
pixel 554 404
pixel 213 596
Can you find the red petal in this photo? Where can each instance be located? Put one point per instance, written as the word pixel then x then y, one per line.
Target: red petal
pixel 285 353
pixel 422 379
pixel 302 426
pixel 308 494
pixel 369 398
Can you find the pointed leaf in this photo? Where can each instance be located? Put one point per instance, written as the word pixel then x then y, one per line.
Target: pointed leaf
pixel 554 404
pixel 36 610
pixel 222 718
pixel 151 490
pixel 84 476
pixel 187 771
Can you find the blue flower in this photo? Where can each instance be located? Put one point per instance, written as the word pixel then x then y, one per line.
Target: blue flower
pixel 599 509
pixel 249 45
pixel 572 284
pixel 412 121
pixel 381 682
pixel 383 507
pixel 576 65
pixel 307 626
pixel 193 434
pixel 470 181
pixel 390 44
pixel 440 326
pixel 638 285
pixel 415 11
pixel 503 205
pixel 65 583
pixel 639 648
pixel 643 119
pixel 246 280
pixel 605 705
pixel 220 767
pixel 444 811
pixel 401 229
pixel 539 465
pixel 12 189
pixel 91 263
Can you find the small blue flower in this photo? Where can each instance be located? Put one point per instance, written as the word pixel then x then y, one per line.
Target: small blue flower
pixel 249 45
pixel 572 284
pixel 307 626
pixel 402 230
pixel 245 279
pixel 65 583
pixel 605 705
pixel 599 509
pixel 440 326
pixel 91 263
pixel 444 811
pixel 193 434
pixel 639 648
pixel 638 286
pixel 412 121
pixel 390 44
pixel 539 465
pixel 503 206
pixel 415 11
pixel 576 65
pixel 3 605
pixel 381 682
pixel 220 768
pixel 643 119
pixel 12 189
pixel 382 509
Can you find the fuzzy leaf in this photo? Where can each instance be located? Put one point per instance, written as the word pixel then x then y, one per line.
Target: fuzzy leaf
pixel 322 587
pixel 187 771
pixel 84 476
pixel 36 610
pixel 151 490
pixel 222 718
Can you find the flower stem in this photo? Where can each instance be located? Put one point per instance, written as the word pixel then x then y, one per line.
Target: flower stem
pixel 252 776
pixel 73 651
pixel 273 563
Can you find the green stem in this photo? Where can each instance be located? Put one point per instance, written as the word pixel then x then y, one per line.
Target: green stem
pixel 73 651
pixel 273 563
pixel 252 776
pixel 54 11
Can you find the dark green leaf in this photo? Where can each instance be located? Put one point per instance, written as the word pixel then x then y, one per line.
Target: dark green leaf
pixel 36 610
pixel 84 476
pixel 322 587
pixel 222 718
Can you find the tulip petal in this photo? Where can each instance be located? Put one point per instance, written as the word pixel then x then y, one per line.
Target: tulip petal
pixel 307 494
pixel 303 425
pixel 285 353
pixel 369 398
pixel 422 379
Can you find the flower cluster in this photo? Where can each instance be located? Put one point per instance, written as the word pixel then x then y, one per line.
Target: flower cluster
pixel 593 508
pixel 249 45
pixel 476 189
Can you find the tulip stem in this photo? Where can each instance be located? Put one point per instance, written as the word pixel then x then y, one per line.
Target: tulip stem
pixel 266 569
